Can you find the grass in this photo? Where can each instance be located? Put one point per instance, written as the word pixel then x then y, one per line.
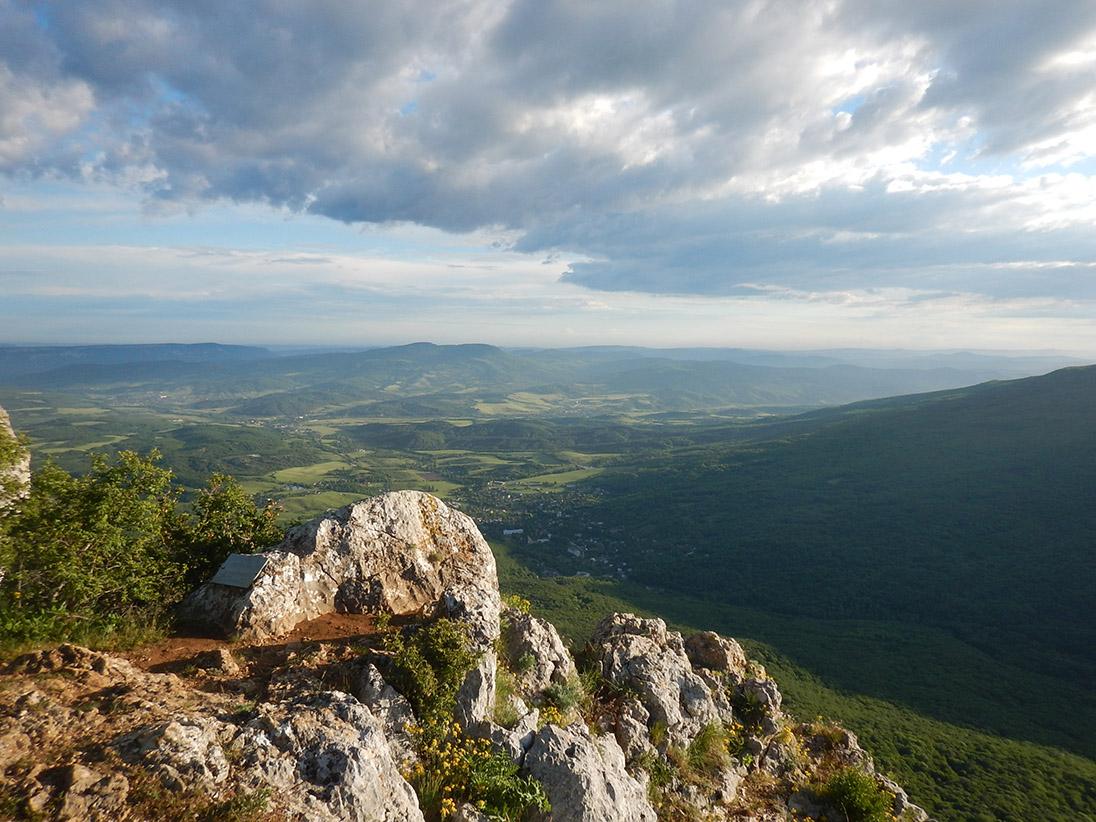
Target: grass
pixel 562 478
pixel 308 505
pixel 309 474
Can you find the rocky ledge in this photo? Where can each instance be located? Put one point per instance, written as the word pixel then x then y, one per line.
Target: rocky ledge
pixel 647 726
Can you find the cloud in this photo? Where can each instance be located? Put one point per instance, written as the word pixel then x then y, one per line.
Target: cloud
pixel 681 146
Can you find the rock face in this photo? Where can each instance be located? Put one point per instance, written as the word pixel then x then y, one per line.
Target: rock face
pixel 401 553
pixel 15 477
pixel 585 778
pixel 535 652
pixel 324 755
pixel 678 728
pixel 642 655
pixel 404 552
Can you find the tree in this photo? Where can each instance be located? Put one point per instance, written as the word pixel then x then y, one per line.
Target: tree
pixel 95 551
pixel 92 549
pixel 226 521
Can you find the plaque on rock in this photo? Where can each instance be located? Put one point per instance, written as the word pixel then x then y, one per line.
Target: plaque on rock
pixel 240 570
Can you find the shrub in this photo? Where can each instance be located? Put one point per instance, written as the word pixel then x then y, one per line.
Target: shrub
pixel 858 795
pixel 92 550
pixel 707 753
pixel 429 666
pixel 517 603
pixel 661 774
pixel 506 713
pixel 88 555
pixel 455 768
pixel 567 695
pixel 225 521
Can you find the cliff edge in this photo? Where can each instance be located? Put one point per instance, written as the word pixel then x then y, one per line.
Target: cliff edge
pixel 373 674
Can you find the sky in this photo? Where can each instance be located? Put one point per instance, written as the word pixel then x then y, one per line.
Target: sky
pixel 786 174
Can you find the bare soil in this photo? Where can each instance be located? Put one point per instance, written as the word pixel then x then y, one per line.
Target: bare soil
pixel 179 651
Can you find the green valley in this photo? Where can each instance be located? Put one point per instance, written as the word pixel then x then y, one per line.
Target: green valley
pixel 917 566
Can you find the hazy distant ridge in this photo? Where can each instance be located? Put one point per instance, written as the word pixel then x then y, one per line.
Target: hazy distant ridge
pixel 459 379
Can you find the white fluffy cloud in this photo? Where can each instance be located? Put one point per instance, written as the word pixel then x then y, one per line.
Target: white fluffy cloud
pixel 943 147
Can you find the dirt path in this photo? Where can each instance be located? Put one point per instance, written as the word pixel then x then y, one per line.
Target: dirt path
pixel 179 651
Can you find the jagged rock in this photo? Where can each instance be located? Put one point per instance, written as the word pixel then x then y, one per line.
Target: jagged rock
pixel 765 696
pixel 219 659
pixel 903 808
pixel 728 780
pixel 76 792
pixel 476 697
pixel 404 552
pixel 342 765
pixel 642 655
pixel 776 759
pixel 535 653
pixel 514 742
pixel 468 813
pixel 475 605
pixel 631 728
pixel 384 701
pixel 802 805
pixel 585 778
pixel 14 478
pixel 185 752
pixel 709 650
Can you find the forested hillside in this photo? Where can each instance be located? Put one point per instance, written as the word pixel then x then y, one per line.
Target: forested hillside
pixel 962 518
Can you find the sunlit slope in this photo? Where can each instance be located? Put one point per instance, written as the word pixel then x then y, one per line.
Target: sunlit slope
pixel 958 774
pixel 969 513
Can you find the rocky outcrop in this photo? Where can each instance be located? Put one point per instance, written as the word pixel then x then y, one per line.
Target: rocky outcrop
pixel 323 756
pixel 405 552
pixel 14 474
pixel 535 653
pixel 585 778
pixel 333 752
pixel 708 649
pixel 678 728
pixel 642 655
pixel 400 553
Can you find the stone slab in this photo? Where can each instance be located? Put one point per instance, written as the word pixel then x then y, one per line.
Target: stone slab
pixel 240 570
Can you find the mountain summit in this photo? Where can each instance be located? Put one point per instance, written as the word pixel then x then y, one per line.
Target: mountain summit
pixel 429 702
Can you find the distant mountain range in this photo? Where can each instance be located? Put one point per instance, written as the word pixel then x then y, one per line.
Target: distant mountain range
pixel 461 380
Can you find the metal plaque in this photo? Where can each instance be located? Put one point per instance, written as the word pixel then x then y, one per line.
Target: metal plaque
pixel 240 570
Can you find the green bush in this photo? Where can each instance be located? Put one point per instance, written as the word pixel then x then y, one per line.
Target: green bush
pixel 225 521
pixel 428 667
pixel 858 795
pixel 516 602
pixel 567 695
pixel 707 753
pixel 86 556
pixel 453 768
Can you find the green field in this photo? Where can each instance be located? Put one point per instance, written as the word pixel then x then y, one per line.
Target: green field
pixel 309 474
